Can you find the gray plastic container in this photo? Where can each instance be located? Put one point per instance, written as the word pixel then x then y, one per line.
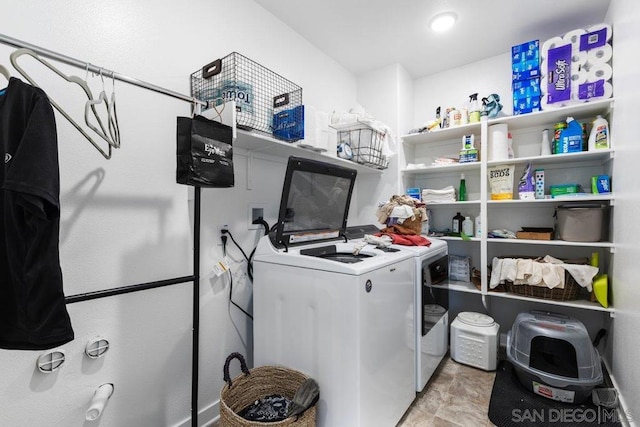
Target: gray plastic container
pixel 581 222
pixel 553 356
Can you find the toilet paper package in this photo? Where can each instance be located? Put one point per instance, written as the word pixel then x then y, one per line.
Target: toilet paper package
pixel 559 74
pixel 577 67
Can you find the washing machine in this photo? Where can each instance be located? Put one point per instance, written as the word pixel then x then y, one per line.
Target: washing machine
pixel 336 315
pixel 429 318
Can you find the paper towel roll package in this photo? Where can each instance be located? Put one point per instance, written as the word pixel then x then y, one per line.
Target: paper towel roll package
pixel 498 142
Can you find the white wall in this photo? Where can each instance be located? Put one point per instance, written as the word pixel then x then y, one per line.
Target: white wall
pixel 452 88
pixel 125 221
pixel 386 94
pixel 625 16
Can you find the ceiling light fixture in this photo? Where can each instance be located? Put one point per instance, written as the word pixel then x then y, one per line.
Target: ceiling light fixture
pixel 443 21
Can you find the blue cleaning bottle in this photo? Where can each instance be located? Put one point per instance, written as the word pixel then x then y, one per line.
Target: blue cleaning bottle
pixel 571 137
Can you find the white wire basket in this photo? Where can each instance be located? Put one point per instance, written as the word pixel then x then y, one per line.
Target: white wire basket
pixel 366 143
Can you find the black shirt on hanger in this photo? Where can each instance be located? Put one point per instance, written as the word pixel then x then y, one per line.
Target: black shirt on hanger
pixel 33 314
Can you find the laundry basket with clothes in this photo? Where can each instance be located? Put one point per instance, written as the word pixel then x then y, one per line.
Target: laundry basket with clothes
pixel 403 217
pixel 267 395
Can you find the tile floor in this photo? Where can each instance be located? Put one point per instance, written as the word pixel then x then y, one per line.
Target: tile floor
pixel 456 396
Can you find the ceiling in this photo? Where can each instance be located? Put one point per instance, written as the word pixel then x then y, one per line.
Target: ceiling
pixel 364 35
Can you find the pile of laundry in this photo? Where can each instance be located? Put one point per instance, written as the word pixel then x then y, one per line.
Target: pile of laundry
pixel 403 217
pixel 546 272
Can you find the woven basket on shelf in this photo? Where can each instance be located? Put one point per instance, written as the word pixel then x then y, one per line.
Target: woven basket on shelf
pixel 571 290
pixel 255 384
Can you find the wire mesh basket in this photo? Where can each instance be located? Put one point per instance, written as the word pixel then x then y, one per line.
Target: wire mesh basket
pixel 570 291
pixel 366 144
pixel 259 93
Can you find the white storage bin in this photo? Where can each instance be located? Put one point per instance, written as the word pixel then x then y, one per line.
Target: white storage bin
pixel 474 340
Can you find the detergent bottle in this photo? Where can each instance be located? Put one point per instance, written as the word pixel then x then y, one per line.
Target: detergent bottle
pixel 599 136
pixel 571 137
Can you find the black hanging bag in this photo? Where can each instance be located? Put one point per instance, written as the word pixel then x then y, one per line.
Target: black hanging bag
pixel 204 153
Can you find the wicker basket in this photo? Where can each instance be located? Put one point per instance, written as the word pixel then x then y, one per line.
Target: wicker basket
pixel 571 290
pixel 255 384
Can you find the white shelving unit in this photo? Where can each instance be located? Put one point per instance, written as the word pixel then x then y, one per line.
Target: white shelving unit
pixel 421 150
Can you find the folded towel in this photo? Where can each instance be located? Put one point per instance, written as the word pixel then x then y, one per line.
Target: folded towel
pixel 447 194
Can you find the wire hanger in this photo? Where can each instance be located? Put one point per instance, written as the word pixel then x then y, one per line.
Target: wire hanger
pixel 72 79
pixel 5 72
pixel 114 126
pixel 90 106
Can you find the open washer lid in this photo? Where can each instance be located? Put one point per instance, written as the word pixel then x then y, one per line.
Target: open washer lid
pixel 315 202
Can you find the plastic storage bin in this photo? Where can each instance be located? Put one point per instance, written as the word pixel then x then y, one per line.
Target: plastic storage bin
pixel 260 94
pixel 474 340
pixel 581 222
pixel 553 356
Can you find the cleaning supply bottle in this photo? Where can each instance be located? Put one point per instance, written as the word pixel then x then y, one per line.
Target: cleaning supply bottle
pixel 462 191
pixel 456 224
pixel 571 137
pixel 599 136
pixel 474 108
pixel 478 226
pixel 467 226
pixel 545 144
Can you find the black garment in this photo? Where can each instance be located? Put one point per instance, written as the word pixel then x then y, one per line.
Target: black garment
pixel 33 314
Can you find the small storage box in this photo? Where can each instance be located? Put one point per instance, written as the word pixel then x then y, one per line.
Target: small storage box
pixel 259 93
pixel 563 189
pixel 553 356
pixel 474 340
pixel 581 222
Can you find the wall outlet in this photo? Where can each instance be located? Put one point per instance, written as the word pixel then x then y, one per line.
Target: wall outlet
pixel 222 227
pixel 255 211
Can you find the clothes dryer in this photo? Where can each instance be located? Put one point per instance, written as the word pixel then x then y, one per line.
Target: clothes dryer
pixel 429 319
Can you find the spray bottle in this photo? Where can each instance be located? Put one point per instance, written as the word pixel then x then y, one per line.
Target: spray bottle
pixel 474 108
